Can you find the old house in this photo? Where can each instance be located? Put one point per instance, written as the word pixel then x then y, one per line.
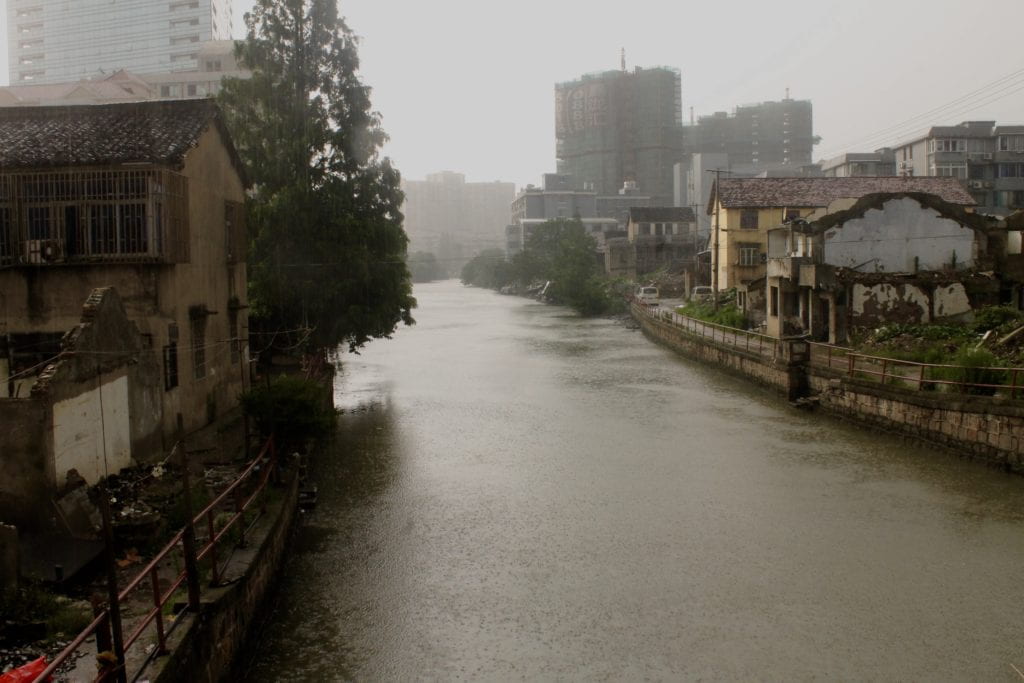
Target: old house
pixel 744 209
pixel 902 257
pixel 145 198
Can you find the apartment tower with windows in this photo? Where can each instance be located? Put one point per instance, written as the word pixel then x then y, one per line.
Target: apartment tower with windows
pixel 56 41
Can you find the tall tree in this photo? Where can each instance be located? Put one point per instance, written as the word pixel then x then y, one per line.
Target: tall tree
pixel 328 248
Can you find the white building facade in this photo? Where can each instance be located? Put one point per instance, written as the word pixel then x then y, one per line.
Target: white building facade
pixel 56 41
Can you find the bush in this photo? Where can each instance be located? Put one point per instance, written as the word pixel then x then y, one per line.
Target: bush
pixel 992 317
pixel 291 408
pixel 727 314
pixel 973 366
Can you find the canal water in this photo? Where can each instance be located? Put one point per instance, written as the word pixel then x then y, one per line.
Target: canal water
pixel 516 493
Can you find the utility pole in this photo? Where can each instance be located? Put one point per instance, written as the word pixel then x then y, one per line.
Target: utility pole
pixel 714 250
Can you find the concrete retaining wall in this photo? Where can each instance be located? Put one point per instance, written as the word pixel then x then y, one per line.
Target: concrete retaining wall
pixel 982 427
pixel 204 648
pixel 771 373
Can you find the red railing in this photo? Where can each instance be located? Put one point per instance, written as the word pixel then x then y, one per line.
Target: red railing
pixel 753 342
pixel 259 470
pixel 907 374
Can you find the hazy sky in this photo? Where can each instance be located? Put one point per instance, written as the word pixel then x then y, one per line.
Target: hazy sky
pixel 467 85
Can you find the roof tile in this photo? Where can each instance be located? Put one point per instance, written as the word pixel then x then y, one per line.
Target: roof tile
pixel 821 192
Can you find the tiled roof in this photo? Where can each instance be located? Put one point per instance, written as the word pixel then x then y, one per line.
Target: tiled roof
pixel 102 134
pixel 672 214
pixel 820 192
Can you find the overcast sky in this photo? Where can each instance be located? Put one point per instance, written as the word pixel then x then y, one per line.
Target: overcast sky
pixel 467 85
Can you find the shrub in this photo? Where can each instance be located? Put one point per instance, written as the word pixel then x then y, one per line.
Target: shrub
pixel 728 314
pixel 291 408
pixel 992 317
pixel 973 366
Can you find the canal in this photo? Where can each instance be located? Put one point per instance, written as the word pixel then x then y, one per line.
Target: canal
pixel 515 493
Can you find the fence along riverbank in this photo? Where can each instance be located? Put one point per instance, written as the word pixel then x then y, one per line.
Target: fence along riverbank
pixel 977 412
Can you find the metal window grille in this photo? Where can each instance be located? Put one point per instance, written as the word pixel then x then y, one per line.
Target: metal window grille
pixel 115 215
pixel 199 347
pixel 170 366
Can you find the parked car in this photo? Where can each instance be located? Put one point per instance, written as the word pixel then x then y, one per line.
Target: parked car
pixel 702 293
pixel 647 296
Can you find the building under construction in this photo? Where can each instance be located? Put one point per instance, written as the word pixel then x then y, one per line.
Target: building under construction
pixel 621 127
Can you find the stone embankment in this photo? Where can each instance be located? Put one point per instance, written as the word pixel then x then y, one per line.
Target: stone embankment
pixel 988 428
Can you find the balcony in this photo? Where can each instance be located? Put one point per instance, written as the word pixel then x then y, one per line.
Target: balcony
pixel 93 217
pixel 787 267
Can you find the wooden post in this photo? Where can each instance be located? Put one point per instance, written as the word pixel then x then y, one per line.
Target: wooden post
pixel 920 379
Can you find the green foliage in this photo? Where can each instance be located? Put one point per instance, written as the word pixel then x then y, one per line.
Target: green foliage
pixel 488 269
pixel 424 267
pixel 975 366
pixel 327 244
pixel 291 408
pixel 31 602
pixel 935 332
pixel 728 314
pixel 562 252
pixel 994 317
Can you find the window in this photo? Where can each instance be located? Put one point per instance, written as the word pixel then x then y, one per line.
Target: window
pixel 198 323
pixel 950 170
pixel 191 90
pixel 40 223
pixel 947 145
pixel 748 219
pixel 1011 170
pixel 750 254
pixel 792 214
pixel 773 302
pixel 1011 143
pixel 171 358
pixel 236 343
pixel 132 235
pixel 165 91
pixel 976 171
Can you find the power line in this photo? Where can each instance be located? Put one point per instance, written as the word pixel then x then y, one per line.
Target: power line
pixel 1003 87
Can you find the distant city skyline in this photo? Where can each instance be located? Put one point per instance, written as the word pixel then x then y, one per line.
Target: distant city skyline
pixel 468 86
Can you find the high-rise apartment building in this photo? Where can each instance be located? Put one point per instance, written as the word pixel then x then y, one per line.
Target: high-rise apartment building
pixel 444 211
pixel 620 127
pixel 55 41
pixel 757 137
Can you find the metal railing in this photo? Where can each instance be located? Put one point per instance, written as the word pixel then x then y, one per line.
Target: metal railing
pixel 753 342
pixel 106 625
pixel 911 375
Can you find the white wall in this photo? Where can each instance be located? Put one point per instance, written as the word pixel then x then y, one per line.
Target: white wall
pixel 95 444
pixel 889 239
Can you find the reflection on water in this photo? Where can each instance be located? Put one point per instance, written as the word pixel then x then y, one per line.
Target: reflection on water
pixel 516 493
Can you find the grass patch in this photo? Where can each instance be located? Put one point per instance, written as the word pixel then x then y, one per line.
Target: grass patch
pixel 727 314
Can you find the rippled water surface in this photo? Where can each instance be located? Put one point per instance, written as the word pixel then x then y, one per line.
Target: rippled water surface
pixel 517 493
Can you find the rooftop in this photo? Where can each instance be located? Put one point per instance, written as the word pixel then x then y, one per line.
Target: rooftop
pixel 649 214
pixel 821 192
pixel 135 132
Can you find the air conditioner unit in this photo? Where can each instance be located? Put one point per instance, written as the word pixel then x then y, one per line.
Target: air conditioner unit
pixel 989 184
pixel 975 184
pixel 51 251
pixel 42 251
pixel 987 156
